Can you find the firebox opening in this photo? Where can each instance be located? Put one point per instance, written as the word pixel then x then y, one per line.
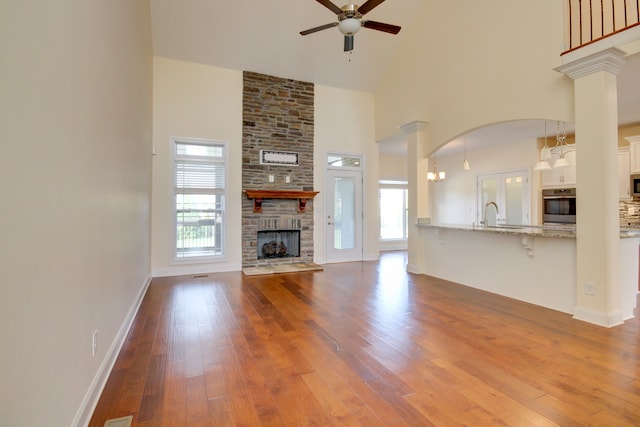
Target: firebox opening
pixel 278 244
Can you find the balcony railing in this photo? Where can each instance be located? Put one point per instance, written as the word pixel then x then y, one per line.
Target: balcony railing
pixel 593 20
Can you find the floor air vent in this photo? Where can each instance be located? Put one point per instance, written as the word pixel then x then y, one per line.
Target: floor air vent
pixel 119 422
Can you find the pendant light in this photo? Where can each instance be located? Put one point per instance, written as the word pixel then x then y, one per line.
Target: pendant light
pixel 465 163
pixel 435 176
pixel 545 154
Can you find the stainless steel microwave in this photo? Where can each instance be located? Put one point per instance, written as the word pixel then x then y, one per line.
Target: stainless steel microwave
pixel 635 186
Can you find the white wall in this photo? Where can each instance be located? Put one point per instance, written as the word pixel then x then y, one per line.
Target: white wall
pixel 75 178
pixel 392 167
pixel 344 123
pixel 198 101
pixel 453 201
pixel 194 101
pixel 467 64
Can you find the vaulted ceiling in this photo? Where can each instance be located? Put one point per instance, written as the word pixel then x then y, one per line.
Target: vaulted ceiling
pixel 264 36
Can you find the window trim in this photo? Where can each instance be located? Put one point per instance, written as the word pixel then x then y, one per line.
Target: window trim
pixel 223 192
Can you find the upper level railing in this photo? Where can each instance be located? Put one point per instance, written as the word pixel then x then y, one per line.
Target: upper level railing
pixel 593 20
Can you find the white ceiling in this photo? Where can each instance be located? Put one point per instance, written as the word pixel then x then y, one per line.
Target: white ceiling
pixel 263 36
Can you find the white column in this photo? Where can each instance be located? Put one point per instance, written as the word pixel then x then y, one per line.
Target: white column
pixel 598 287
pixel 418 194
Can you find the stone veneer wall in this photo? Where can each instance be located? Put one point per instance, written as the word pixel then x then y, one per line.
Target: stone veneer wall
pixel 277 114
pixel 629 219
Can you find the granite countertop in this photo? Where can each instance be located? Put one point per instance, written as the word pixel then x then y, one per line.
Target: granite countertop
pixel 557 231
pixel 629 231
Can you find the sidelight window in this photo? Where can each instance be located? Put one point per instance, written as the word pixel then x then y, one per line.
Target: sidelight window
pixel 199 190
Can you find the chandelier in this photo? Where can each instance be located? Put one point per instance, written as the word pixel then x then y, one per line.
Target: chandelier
pixel 435 176
pixel 561 145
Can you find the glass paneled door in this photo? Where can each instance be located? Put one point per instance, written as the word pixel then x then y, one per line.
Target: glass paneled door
pixel 344 215
pixel 510 192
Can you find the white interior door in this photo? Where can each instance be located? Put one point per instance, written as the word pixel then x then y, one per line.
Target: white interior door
pixel 343 215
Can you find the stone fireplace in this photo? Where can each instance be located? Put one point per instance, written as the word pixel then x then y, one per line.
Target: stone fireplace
pixel 277 209
pixel 278 244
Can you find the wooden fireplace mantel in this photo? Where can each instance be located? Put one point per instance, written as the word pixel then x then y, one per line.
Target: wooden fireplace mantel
pixel 259 195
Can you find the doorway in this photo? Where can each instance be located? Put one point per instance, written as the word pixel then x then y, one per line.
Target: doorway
pixel 344 236
pixel 510 191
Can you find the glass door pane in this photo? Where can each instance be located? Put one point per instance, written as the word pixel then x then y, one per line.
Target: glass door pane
pixel 344 216
pixel 488 193
pixel 393 213
pixel 513 209
pixel 344 213
pixel 510 191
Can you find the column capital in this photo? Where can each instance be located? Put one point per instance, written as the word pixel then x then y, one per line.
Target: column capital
pixel 610 60
pixel 413 127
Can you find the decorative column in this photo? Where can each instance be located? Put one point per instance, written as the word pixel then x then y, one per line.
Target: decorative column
pixel 418 193
pixel 598 288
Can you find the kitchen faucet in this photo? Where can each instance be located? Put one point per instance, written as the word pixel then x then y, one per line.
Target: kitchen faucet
pixel 484 214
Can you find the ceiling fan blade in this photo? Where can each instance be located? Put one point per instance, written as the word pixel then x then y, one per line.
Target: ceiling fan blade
pixel 348 43
pixel 380 26
pixel 335 9
pixel 368 5
pixel 320 28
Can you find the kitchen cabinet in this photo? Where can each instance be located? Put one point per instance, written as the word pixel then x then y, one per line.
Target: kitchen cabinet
pixel 634 153
pixel 624 168
pixel 561 177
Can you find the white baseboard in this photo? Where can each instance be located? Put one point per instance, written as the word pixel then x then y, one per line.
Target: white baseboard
pixel 607 320
pixel 83 416
pixel 411 268
pixel 188 269
pixel 392 245
pixel 373 256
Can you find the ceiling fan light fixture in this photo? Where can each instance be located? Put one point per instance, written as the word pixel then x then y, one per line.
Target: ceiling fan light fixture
pixel 349 26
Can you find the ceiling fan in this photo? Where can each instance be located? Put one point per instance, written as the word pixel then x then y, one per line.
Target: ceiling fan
pixel 350 19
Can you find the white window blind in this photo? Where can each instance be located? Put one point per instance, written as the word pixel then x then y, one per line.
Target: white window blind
pixel 199 171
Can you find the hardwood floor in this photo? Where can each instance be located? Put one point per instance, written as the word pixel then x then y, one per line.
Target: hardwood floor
pixel 365 344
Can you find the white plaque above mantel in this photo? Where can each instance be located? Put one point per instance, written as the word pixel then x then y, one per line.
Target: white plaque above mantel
pixel 279 158
pixel 258 195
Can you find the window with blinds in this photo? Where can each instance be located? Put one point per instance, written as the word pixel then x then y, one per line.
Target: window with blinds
pixel 199 177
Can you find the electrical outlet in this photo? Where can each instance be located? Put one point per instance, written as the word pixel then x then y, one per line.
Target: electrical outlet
pixel 631 210
pixel 271 178
pixel 287 179
pixel 94 342
pixel 589 288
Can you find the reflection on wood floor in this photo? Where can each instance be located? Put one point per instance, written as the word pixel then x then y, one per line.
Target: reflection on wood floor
pixel 364 344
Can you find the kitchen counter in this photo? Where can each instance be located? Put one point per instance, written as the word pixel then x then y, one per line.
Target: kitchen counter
pixel 535 264
pixel 557 231
pixel 629 232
